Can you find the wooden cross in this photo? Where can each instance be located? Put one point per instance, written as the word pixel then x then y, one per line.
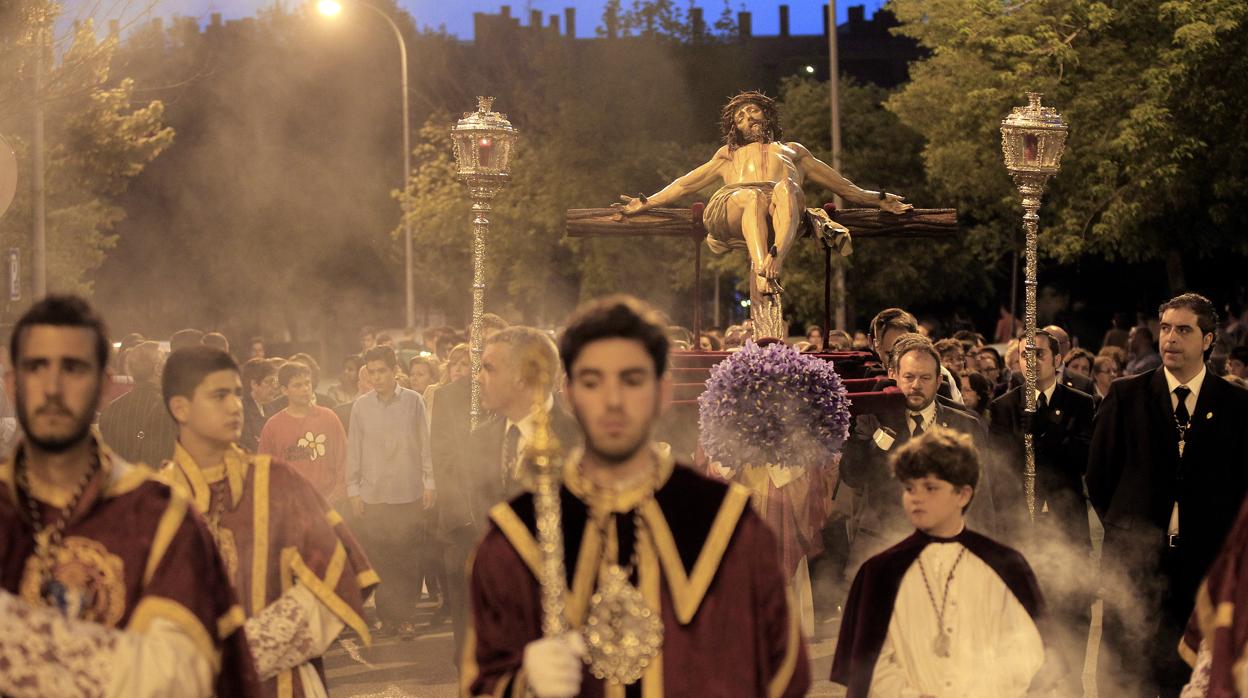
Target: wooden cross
pixel 863 224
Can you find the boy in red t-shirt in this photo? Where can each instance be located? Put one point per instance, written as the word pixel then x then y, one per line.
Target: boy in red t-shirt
pixel 306 436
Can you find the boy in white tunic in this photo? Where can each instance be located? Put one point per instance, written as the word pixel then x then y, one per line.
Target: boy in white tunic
pixel 946 612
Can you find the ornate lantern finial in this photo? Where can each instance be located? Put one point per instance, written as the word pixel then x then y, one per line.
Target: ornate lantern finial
pixel 484 141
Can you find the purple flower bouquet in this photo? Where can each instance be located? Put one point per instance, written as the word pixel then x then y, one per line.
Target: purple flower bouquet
pixel 773 405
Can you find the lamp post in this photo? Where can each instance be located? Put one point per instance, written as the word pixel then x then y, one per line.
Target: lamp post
pixel 483 141
pixel 333 8
pixel 1032 140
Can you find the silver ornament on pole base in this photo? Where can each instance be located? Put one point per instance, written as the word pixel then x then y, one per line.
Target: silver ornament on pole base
pixel 1033 139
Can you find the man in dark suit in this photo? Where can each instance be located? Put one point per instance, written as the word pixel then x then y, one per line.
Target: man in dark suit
pixel 881 521
pixel 1071 380
pixel 1059 540
pixel 137 425
pixel 1062 433
pixel 1167 475
pixel 886 327
pixel 519 369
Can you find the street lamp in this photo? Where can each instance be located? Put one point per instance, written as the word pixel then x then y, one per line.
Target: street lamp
pixel 333 8
pixel 484 141
pixel 1032 140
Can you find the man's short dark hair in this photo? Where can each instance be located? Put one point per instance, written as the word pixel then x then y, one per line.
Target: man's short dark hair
pixel 1055 346
pixel 290 370
pixel 255 371
pixel 187 368
pixel 941 452
pixel 382 353
pixel 615 317
pixel 1206 314
pixel 185 338
pixel 892 319
pixel 913 341
pixel 62 311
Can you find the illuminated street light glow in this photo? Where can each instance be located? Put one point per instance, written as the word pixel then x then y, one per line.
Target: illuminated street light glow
pixel 329 8
pixel 810 70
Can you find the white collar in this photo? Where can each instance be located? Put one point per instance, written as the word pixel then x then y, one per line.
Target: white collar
pixel 1048 394
pixel 528 423
pixel 1194 384
pixel 928 413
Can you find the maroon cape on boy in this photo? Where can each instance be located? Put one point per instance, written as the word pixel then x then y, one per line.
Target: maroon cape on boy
pixel 704 560
pixel 869 608
pixel 276 530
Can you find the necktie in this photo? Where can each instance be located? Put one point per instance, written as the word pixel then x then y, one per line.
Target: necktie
pixel 1180 411
pixel 1042 402
pixel 511 444
pixel 918 424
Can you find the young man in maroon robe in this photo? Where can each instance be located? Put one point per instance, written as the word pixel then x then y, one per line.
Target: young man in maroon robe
pixel 700 559
pixel 947 611
pixel 299 572
pixel 109 584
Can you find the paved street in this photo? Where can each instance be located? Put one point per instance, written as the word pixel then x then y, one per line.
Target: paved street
pixel 421 668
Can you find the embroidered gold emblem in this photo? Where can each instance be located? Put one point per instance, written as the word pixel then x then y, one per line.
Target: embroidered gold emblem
pixel 85 580
pixel 229 551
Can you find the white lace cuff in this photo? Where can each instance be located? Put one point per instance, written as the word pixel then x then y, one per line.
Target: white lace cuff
pixel 290 631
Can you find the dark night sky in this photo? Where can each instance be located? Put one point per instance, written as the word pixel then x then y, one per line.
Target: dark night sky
pixel 456 15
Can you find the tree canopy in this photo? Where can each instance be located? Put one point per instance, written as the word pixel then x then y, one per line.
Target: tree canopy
pixel 1155 162
pixel 99 135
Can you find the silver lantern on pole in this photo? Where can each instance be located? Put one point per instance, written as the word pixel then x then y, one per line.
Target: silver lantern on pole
pixel 1032 140
pixel 484 141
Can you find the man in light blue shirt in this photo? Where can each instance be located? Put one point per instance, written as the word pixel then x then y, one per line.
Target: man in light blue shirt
pixel 390 485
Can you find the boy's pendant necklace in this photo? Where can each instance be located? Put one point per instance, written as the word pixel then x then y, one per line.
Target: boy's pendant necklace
pixel 942 645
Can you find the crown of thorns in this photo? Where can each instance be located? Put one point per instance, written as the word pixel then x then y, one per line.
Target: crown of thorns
pixel 728 127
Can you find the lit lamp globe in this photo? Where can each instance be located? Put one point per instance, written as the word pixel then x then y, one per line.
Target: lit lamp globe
pixel 329 8
pixel 1032 140
pixel 484 141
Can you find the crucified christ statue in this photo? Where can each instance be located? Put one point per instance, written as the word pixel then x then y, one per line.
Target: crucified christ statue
pixel 760 206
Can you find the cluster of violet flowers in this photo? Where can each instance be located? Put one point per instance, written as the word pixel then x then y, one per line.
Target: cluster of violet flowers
pixel 773 405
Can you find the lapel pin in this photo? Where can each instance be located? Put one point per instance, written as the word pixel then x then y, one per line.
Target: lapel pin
pixel 1057 412
pixel 1209 416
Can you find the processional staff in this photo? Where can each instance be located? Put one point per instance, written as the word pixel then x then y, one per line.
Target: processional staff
pixel 1032 140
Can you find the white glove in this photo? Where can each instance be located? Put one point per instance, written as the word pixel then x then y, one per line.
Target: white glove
pixel 552 665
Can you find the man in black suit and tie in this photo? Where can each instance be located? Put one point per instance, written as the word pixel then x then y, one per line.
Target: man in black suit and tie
pixel 1167 475
pixel 1070 380
pixel 1059 539
pixel 519 364
pixel 915 366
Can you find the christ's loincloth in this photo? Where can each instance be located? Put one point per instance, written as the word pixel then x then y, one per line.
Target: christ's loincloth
pixel 721 236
